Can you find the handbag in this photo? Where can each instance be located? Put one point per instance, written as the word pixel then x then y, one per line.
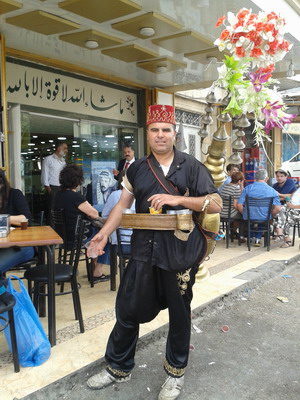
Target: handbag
pixel 208 224
pixel 33 345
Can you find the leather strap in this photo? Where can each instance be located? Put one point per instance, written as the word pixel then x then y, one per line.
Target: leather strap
pixel 159 175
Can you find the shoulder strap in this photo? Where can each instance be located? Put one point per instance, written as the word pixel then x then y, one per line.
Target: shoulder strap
pixel 159 175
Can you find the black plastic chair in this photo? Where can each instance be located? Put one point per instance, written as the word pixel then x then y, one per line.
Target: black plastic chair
pixel 59 222
pixel 64 273
pixel 255 225
pixel 123 239
pixel 226 221
pixel 7 303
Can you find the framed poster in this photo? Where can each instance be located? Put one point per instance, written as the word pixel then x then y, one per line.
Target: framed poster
pixel 103 182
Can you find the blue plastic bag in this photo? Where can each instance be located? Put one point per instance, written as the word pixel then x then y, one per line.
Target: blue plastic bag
pixel 33 345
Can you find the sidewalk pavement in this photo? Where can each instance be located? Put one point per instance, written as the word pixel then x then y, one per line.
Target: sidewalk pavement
pixel 77 355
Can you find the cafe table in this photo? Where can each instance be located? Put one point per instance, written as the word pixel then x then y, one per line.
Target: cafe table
pixel 45 238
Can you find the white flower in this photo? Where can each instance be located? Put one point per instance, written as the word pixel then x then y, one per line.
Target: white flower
pixel 222 71
pixel 222 46
pixel 229 46
pixel 232 19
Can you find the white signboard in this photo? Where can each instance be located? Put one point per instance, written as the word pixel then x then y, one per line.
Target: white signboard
pixel 39 88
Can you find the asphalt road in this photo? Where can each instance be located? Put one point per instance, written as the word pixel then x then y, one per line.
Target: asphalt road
pixel 258 358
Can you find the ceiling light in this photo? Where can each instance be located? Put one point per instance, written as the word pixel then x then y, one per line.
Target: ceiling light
pixel 91 44
pixel 147 31
pixel 161 68
pixel 61 138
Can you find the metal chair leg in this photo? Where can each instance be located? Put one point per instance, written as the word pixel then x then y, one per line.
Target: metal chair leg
pixel 13 337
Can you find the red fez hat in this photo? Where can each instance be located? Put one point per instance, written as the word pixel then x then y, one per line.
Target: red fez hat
pixel 161 113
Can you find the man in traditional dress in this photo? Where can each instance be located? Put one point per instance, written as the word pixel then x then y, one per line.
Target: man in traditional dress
pixel 163 263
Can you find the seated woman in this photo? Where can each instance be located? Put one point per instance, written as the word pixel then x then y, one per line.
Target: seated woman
pixel 234 189
pixel 289 216
pixel 13 202
pixel 74 204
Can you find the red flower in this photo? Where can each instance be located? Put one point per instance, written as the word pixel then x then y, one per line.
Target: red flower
pixel 284 45
pixel 256 52
pixel 267 71
pixel 239 23
pixel 235 37
pixel 220 21
pixel 225 34
pixel 259 26
pixel 251 19
pixel 273 47
pixel 253 36
pixel 242 13
pixel 240 52
pixel 272 15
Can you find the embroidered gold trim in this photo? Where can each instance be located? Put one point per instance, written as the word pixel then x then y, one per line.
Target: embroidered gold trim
pixel 172 370
pixel 183 278
pixel 117 372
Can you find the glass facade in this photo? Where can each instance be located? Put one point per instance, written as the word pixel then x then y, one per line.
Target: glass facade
pixel 87 141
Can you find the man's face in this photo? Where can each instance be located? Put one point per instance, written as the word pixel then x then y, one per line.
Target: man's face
pixel 63 150
pixel 128 153
pixel 281 178
pixel 161 137
pixel 105 181
pixel 233 170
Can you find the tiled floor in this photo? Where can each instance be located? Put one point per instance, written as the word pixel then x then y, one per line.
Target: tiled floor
pixel 75 350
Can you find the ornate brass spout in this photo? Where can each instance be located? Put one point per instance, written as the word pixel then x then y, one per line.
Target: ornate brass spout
pixel 216 151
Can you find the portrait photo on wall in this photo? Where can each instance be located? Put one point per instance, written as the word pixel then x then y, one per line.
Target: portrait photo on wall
pixel 103 182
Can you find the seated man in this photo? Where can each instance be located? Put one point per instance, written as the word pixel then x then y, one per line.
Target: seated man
pixel 259 189
pixel 285 188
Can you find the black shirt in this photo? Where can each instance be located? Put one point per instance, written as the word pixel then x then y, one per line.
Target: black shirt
pixel 162 248
pixel 17 204
pixel 69 202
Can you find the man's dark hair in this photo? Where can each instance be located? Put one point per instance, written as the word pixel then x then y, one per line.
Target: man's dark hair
pixel 71 176
pixel 130 145
pixel 231 166
pixel 59 143
pixel 4 192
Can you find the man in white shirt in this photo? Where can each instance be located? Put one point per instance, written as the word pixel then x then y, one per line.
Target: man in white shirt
pixel 51 167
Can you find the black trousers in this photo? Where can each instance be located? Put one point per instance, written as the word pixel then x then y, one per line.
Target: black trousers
pixel 144 291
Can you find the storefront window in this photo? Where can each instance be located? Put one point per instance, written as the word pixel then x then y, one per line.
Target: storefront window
pixel 87 141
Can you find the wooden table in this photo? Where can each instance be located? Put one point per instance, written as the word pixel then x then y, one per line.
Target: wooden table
pixel 46 237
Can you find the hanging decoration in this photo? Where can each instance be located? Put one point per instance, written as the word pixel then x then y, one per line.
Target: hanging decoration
pixel 254 43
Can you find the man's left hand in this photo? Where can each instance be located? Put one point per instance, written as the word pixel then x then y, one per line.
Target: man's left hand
pixel 159 200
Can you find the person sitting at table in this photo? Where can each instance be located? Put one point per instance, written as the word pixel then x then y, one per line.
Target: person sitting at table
pixel 259 189
pixel 74 204
pixel 289 216
pixel 285 188
pixel 234 189
pixel 13 202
